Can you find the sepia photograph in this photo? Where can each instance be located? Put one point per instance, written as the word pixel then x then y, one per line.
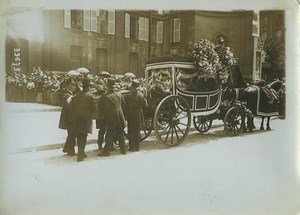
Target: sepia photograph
pixel 150 108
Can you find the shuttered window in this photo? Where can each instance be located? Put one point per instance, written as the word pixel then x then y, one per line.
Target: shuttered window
pixel 146 32
pixel 111 22
pixel 176 30
pixel 67 14
pixel 94 20
pixel 159 29
pixel 143 29
pixel 86 20
pixel 127 25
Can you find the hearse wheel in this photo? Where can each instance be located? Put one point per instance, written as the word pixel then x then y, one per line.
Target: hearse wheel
pixel 145 131
pixel 234 121
pixel 172 120
pixel 202 123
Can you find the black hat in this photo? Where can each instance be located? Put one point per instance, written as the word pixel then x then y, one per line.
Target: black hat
pixel 86 82
pixel 111 82
pixel 135 83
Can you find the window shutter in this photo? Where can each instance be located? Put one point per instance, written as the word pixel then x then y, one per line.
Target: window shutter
pixel 160 27
pixel 127 25
pixel 146 35
pixel 86 20
pixel 94 20
pixel 141 28
pixel 176 31
pixel 111 22
pixel 67 14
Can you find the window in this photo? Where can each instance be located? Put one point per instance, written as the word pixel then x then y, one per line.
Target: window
pixel 76 19
pixel 133 27
pixel 159 29
pixel 103 21
pixel 143 29
pixel 67 18
pixel 111 22
pixel 127 25
pixel 87 20
pixel 94 20
pixel 176 30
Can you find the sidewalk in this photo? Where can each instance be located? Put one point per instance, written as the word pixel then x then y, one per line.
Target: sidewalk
pixel 29 107
pixel 34 127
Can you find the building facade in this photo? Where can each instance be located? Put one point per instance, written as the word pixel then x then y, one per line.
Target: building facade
pixel 121 41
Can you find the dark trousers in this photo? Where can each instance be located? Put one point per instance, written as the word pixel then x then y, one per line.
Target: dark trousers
pixel 101 134
pixel 70 142
pixel 111 135
pixel 81 142
pixel 134 135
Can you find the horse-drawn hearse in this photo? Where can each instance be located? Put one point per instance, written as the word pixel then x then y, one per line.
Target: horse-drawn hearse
pixel 177 96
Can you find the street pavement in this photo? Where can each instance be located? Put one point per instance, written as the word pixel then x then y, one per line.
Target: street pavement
pixel 207 174
pixel 34 127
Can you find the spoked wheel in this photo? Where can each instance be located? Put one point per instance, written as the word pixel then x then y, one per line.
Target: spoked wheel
pixel 234 121
pixel 145 131
pixel 202 123
pixel 172 120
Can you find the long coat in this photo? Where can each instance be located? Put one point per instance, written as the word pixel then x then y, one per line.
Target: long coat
pixel 135 102
pixel 83 108
pixel 65 116
pixel 111 110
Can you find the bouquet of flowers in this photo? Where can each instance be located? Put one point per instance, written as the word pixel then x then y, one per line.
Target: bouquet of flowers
pixel 226 60
pixel 206 59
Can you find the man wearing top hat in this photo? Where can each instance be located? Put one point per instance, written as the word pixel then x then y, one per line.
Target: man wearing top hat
pixel 65 117
pixel 112 114
pixel 135 102
pixel 83 107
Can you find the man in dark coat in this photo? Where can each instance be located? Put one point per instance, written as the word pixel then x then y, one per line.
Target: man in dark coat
pixel 83 107
pixel 65 117
pixel 135 102
pixel 112 113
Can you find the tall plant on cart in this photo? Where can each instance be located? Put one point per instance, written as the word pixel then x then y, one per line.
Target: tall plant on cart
pixel 226 60
pixel 206 59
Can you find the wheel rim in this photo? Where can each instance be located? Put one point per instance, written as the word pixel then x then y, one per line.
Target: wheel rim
pixel 145 131
pixel 202 123
pixel 172 120
pixel 234 121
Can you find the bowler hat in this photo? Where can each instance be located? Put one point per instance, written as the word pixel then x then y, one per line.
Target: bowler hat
pixel 86 82
pixel 111 82
pixel 135 83
pixel 104 73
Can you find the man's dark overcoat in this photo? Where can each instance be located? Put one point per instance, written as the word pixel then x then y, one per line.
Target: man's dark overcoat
pixel 83 108
pixel 65 116
pixel 111 110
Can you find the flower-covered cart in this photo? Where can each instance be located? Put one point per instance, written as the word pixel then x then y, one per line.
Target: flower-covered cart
pixel 186 88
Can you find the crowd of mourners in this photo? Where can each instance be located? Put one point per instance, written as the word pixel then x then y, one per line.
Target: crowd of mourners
pixel 114 104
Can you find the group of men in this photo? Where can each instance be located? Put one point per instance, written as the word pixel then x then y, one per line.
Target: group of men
pixel 112 109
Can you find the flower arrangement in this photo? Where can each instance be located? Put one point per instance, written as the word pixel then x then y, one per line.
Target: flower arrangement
pixel 206 59
pixel 226 60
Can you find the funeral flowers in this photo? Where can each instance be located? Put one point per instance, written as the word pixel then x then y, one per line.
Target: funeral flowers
pixel 206 59
pixel 226 61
